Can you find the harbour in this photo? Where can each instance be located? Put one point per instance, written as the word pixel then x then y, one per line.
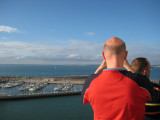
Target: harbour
pixel 14 88
pixel 47 103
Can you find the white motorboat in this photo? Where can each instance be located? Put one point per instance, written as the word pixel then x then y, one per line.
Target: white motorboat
pixel 8 85
pixel 67 87
pixel 59 87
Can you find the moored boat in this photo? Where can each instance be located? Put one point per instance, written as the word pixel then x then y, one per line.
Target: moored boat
pixel 59 87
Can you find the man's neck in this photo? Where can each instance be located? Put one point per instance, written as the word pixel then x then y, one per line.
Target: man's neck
pixel 115 65
pixel 112 67
pixel 114 62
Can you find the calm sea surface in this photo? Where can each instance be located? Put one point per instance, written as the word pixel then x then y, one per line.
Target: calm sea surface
pixel 56 108
pixel 46 70
pixel 56 70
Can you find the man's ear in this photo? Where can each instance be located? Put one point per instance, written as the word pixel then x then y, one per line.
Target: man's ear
pixel 144 72
pixel 126 53
pixel 103 55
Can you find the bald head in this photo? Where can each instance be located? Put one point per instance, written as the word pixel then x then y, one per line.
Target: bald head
pixel 114 53
pixel 114 46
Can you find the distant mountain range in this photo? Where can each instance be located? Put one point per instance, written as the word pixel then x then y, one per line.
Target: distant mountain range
pixel 155 65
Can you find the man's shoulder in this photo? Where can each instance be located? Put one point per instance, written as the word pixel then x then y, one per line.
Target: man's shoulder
pixel 133 75
pixel 87 84
pixel 91 77
pixel 129 74
pixel 140 79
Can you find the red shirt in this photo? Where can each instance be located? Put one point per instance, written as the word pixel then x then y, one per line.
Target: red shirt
pixel 117 95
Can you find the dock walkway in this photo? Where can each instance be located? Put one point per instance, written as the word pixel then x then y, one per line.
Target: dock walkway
pixel 41 95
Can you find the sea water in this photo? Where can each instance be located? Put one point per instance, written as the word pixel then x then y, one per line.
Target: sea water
pixel 46 70
pixel 55 108
pixel 56 70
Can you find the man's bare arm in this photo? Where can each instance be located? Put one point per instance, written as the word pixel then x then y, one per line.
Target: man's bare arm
pixel 101 67
pixel 128 66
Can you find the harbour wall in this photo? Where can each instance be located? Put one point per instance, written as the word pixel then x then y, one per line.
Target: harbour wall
pixel 50 80
pixel 42 95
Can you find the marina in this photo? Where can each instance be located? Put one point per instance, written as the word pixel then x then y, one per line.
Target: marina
pixel 37 87
pixel 36 91
pixel 47 103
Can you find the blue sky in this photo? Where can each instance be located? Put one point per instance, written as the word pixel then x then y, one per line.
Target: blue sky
pixel 74 31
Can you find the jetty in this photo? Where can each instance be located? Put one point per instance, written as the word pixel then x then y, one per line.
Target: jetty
pixel 78 80
pixel 42 95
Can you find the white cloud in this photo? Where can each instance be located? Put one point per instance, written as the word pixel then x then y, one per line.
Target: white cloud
pixel 8 29
pixel 74 52
pixel 72 56
pixel 149 52
pixel 90 33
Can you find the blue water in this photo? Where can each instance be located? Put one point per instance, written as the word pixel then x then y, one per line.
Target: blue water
pixel 56 70
pixel 56 108
pixel 46 70
pixel 155 73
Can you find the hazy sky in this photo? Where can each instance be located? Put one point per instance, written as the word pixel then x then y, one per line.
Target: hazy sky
pixel 74 31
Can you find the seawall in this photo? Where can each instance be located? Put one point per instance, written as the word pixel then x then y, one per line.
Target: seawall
pixel 79 80
pixel 42 95
pixel 50 80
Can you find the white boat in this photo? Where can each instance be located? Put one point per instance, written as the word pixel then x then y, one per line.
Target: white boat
pixel 59 87
pixel 17 83
pixel 22 88
pixel 32 89
pixel 26 87
pixel 67 87
pixel 1 85
pixel 37 87
pixel 8 85
pixel 64 87
pixel 12 84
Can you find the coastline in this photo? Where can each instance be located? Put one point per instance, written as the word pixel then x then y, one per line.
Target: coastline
pixel 155 66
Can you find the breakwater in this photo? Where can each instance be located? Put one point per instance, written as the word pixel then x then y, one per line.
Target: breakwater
pixel 42 95
pixel 50 80
pixel 79 80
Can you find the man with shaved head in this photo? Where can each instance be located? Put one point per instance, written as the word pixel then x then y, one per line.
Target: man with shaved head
pixel 114 93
